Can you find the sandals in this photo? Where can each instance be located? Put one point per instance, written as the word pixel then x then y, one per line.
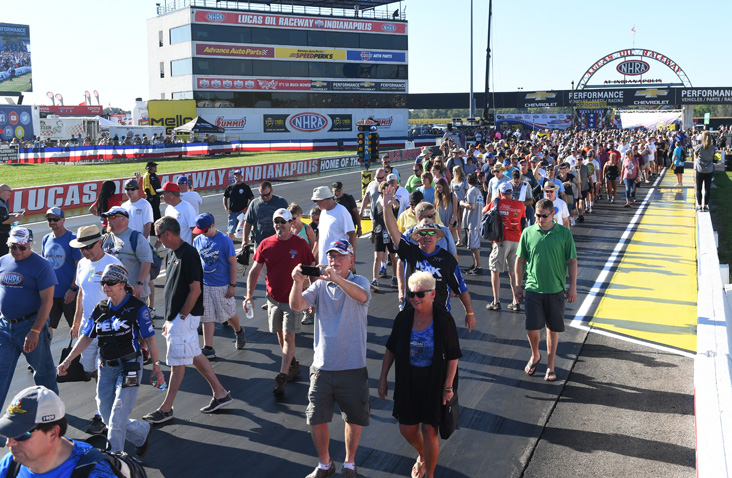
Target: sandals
pixel 493 306
pixel 418 469
pixel 530 368
pixel 550 376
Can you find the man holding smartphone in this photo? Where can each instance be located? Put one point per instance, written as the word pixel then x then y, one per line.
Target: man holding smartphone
pixel 281 253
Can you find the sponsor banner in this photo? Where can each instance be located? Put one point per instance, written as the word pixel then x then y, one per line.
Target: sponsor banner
pixel 39 199
pixel 71 110
pixel 341 123
pixel 208 83
pixel 298 22
pixel 171 113
pixel 700 96
pixel 383 122
pixel 295 84
pixel 233 50
pixel 274 123
pixel 376 56
pixel 309 54
pixel 333 164
pixel 232 125
pixel 16 122
pixel 57 128
pixel 8 154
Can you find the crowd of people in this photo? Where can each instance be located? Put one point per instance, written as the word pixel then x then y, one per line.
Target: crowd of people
pixel 99 279
pixel 104 139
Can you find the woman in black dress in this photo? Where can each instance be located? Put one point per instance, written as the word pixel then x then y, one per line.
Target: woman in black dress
pixel 424 343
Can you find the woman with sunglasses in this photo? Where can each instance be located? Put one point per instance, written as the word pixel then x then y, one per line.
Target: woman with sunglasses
pixel 119 322
pixel 425 346
pixel 446 204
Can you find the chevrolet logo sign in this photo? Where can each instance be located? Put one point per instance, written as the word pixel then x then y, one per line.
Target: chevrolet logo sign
pixel 540 96
pixel 651 93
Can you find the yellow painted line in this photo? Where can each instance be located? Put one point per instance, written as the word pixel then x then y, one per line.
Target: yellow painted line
pixel 652 295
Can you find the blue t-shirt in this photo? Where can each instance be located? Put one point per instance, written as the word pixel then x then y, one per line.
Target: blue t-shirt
pixel 21 283
pixel 63 258
pixel 64 470
pixel 422 347
pixel 428 193
pixel 215 252
pixel 679 156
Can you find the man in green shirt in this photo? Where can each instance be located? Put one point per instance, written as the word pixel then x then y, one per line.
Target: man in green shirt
pixel 546 252
pixel 415 180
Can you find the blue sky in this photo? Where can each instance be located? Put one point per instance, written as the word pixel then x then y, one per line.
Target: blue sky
pixel 85 45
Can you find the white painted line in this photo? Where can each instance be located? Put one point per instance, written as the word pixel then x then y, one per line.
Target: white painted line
pixel 602 279
pixel 635 341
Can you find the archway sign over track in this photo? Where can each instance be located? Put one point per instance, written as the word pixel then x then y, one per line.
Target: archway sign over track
pixel 628 54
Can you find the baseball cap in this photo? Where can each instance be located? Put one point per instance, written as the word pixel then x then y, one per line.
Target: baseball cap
pixel 282 213
pixel 341 247
pixel 203 222
pixel 337 185
pixel 20 235
pixel 55 211
pixel 116 210
pixel 516 173
pixel 505 187
pixel 237 171
pixel 416 197
pixel 132 183
pixel 182 180
pixel 30 407
pixel 169 186
pixel 391 177
pixel 151 164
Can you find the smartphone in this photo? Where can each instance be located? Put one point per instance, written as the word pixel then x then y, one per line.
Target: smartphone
pixel 311 271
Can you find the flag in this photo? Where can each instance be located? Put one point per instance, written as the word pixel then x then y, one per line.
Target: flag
pixel 633 29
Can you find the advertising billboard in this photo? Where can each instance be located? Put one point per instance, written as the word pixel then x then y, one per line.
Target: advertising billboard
pixel 15 59
pixel 171 113
pixel 16 122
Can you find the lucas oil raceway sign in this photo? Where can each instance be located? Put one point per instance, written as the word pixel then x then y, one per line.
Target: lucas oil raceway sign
pixel 36 200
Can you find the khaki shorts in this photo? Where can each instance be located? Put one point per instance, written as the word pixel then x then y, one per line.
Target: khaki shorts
pixel 182 340
pixel 281 317
pixel 348 388
pixel 503 256
pixel 216 307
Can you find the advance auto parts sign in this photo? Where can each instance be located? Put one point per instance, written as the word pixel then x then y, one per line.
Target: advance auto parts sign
pixel 171 113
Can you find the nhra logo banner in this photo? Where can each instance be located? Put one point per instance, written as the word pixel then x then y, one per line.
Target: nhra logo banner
pixel 171 113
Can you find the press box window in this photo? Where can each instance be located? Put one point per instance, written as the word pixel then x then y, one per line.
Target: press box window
pixel 179 34
pixel 181 67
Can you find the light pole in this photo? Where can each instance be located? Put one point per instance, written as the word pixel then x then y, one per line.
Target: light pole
pixel 472 106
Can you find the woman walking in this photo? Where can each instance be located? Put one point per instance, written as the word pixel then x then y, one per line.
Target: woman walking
pixel 631 170
pixel 704 170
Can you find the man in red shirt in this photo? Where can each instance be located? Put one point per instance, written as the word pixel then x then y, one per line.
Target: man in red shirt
pixel 281 253
pixel 503 254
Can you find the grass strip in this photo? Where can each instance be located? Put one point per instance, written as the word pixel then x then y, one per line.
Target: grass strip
pixel 722 214
pixel 25 175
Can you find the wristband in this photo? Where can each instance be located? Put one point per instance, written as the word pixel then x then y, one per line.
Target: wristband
pixel 469 313
pixel 36 331
pixel 232 285
pixel 74 288
pixel 139 282
pixel 157 363
pixel 447 389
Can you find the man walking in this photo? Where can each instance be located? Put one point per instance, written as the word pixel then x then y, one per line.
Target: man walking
pixel 547 253
pixel 338 373
pixel 236 199
pixel 260 212
pixel 335 221
pixel 281 253
pixel 189 196
pixel 183 310
pixel 349 202
pixel 55 249
pixel 179 210
pixel 218 260
pixel 139 211
pixel 26 296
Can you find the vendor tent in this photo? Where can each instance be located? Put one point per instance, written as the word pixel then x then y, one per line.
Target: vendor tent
pixel 199 126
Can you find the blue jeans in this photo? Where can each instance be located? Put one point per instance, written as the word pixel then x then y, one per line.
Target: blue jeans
pixel 12 338
pixel 115 403
pixel 629 189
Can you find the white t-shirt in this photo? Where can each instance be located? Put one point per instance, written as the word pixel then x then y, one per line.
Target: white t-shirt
pixel 194 199
pixel 494 184
pixel 88 278
pixel 140 212
pixel 402 195
pixel 186 217
pixel 594 166
pixel 334 225
pixel 560 210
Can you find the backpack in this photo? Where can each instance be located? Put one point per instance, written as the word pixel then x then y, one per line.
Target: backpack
pixel 492 224
pixel 122 464
pixel 157 261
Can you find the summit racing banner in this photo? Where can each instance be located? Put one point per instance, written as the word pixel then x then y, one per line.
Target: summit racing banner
pixel 300 22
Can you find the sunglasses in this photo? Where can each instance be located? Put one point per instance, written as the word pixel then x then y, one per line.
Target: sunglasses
pixel 280 221
pixel 427 233
pixel 543 216
pixel 25 436
pixel 265 195
pixel 53 219
pixel 380 177
pixel 14 247
pixel 419 294
pixel 109 283
pixel 131 189
pixel 89 247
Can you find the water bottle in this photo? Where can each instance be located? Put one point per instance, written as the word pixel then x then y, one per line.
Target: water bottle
pixel 162 386
pixel 249 308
